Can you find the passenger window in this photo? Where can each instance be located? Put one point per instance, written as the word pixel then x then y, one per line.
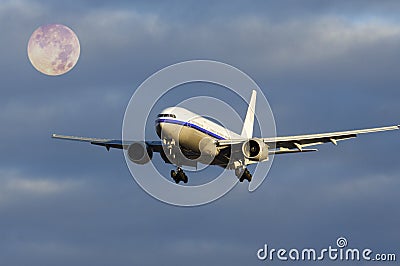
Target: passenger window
pixel 167 115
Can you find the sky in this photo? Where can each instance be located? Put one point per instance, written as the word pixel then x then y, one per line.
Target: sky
pixel 323 65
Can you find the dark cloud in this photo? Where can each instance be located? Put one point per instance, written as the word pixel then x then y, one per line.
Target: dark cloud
pixel 323 65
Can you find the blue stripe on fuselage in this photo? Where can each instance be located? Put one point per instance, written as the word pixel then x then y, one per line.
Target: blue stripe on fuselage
pixel 187 124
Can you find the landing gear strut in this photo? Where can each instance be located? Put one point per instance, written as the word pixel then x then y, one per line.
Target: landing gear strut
pixel 179 176
pixel 243 174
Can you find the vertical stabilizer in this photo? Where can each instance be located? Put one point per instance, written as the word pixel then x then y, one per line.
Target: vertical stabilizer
pixel 247 131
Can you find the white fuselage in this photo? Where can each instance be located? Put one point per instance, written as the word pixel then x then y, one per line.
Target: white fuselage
pixel 188 129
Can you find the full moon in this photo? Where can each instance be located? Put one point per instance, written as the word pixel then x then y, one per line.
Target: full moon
pixel 53 49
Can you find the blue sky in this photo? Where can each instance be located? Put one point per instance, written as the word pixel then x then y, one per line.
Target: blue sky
pixel 323 65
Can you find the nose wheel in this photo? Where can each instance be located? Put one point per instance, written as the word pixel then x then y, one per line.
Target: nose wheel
pixel 179 176
pixel 243 174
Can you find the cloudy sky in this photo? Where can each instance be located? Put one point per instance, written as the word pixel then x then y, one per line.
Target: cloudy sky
pixel 323 65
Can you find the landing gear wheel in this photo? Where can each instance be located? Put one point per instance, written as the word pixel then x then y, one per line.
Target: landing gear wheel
pixel 174 176
pixel 248 176
pixel 185 178
pixel 245 175
pixel 179 176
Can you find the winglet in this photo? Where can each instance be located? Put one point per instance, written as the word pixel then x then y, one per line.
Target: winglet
pixel 247 131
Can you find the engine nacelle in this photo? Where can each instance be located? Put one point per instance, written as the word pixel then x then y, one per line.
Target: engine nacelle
pixel 139 152
pixel 255 150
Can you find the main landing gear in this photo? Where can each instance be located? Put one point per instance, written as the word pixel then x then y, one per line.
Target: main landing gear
pixel 179 176
pixel 243 174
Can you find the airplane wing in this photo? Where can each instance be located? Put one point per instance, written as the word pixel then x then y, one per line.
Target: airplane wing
pixel 301 141
pixel 109 143
pixel 289 144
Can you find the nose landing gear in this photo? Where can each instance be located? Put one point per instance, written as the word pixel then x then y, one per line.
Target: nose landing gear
pixel 179 176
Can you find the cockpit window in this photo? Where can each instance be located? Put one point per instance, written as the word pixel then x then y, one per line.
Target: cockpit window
pixel 167 115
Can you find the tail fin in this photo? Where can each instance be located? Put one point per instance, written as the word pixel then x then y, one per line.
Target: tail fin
pixel 247 131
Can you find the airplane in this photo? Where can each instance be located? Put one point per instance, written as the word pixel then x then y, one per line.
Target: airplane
pixel 187 138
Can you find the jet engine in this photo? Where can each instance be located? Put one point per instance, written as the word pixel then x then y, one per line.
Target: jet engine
pixel 255 150
pixel 139 152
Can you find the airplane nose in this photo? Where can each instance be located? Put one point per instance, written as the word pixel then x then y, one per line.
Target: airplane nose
pixel 158 128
